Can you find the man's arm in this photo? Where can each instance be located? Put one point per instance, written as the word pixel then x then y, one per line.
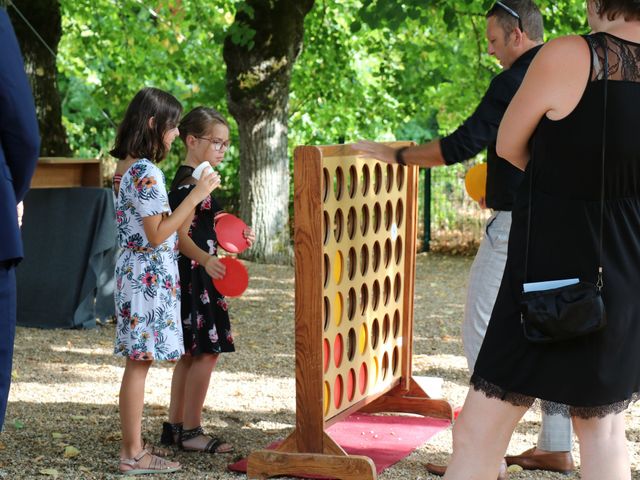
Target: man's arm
pixel 473 136
pixel 19 138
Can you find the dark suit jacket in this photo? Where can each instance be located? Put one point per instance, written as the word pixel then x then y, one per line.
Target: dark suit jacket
pixel 19 139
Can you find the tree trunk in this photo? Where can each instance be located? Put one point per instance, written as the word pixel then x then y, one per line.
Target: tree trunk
pixel 259 51
pixel 40 65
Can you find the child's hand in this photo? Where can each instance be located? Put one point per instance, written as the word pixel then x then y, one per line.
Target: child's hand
pixel 248 234
pixel 215 268
pixel 208 182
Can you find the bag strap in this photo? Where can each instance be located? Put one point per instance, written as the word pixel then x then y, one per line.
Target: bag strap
pixel 599 282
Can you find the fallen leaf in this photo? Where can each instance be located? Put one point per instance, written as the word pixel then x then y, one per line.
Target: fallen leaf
pixel 18 424
pixel 84 469
pixel 52 472
pixel 78 417
pixel 71 451
pixel 57 435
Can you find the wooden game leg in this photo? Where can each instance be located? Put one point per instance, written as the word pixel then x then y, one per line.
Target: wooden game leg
pixel 269 463
pixel 411 400
pixel 333 463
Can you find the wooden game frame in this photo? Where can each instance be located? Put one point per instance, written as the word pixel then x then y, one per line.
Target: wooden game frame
pixel 309 449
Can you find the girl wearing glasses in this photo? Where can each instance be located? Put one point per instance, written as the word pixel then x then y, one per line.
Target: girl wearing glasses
pixel 205 319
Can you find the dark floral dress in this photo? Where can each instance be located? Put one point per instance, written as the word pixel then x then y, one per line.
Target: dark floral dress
pixel 204 311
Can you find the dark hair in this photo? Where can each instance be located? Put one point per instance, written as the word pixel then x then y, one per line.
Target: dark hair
pixel 135 136
pixel 199 121
pixel 529 14
pixel 629 9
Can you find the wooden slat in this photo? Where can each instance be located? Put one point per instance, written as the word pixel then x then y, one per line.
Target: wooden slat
pixel 410 239
pixel 309 300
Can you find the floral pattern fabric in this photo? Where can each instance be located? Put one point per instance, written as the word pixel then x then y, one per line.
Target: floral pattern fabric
pixel 147 292
pixel 205 316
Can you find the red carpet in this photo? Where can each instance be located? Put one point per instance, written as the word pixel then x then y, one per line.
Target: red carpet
pixel 383 438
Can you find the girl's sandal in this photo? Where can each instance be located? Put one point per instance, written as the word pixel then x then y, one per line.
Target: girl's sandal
pixel 171 433
pixel 156 450
pixel 212 446
pixel 132 466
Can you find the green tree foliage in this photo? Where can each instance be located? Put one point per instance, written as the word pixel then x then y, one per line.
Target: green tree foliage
pixel 378 69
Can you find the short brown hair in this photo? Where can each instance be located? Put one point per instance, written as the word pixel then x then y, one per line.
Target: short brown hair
pixel 135 136
pixel 629 9
pixel 199 121
pixel 530 17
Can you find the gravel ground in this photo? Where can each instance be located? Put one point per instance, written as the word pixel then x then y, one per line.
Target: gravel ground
pixel 65 387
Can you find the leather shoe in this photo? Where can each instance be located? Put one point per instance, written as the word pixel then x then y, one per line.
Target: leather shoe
pixel 440 470
pixel 552 461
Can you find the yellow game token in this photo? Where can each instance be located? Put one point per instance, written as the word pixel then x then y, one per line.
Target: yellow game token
pixel 476 181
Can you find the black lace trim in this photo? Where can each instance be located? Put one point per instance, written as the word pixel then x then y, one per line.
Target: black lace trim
pixel 491 390
pixel 624 58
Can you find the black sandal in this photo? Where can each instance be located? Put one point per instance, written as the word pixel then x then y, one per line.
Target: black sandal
pixel 171 433
pixel 211 447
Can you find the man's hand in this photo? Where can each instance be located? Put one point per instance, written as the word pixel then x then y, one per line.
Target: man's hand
pixel 375 150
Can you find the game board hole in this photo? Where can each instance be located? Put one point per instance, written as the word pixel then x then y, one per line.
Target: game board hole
pixel 364 220
pixel 351 223
pixel 377 178
pixel 351 263
pixel 365 180
pixel 352 181
pixel 389 179
pixel 375 299
pixel 399 213
pixel 338 224
pixel 351 304
pixel 338 350
pixel 376 256
pixel 326 227
pixel 375 333
pixel 386 328
pixel 364 298
pixel 396 324
pixel 364 260
pixel 397 287
pixel 400 178
pixel 394 361
pixel 398 250
pixel 337 392
pixel 351 344
pixel 386 291
pixel 338 267
pixel 388 215
pixel 338 309
pixel 364 334
pixel 385 365
pixel 377 217
pixel 326 181
pixel 327 313
pixel 338 183
pixel 387 252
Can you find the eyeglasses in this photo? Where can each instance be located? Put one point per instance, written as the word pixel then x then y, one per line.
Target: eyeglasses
pixel 217 144
pixel 511 12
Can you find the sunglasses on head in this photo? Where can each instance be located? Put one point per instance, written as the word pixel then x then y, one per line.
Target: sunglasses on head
pixel 510 11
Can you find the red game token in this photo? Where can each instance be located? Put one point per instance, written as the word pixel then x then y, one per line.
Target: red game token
pixel 235 280
pixel 230 233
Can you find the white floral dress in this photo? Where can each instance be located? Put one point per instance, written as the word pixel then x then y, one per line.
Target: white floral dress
pixel 147 282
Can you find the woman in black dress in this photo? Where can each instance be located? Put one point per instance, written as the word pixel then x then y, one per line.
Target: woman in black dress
pixel 592 378
pixel 205 318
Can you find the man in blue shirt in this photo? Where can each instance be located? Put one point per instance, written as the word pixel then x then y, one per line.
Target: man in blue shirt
pixel 514 34
pixel 19 148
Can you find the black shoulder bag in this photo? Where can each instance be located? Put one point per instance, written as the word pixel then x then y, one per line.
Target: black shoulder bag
pixel 574 310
